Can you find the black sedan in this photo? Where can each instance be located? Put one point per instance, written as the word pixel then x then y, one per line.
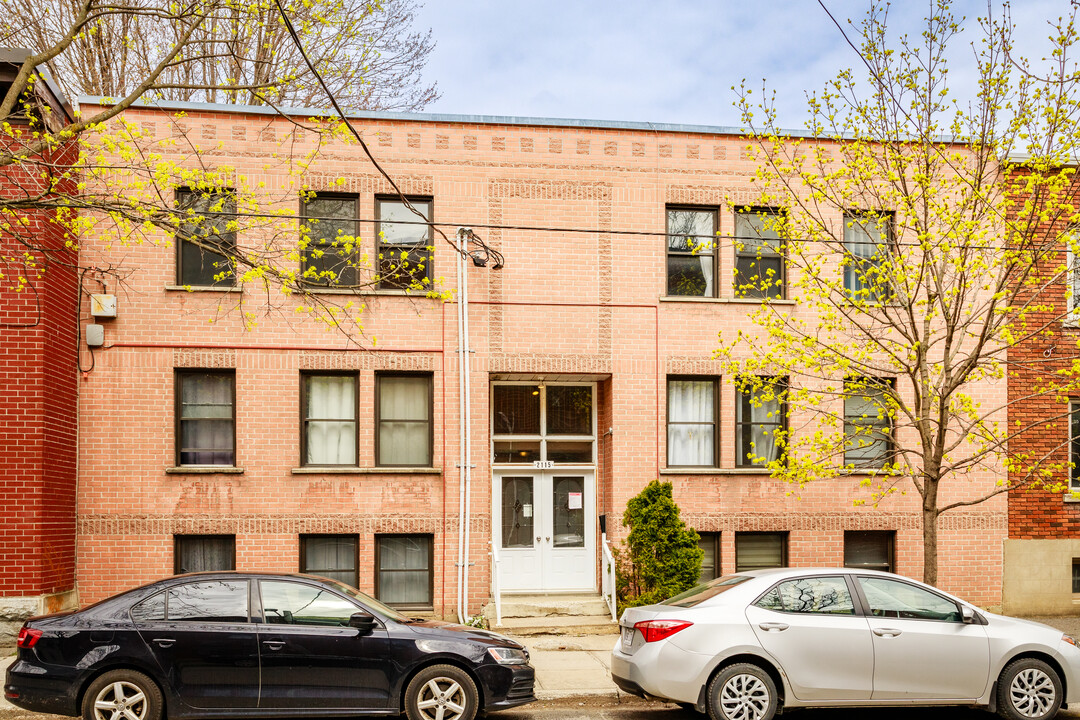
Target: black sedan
pixel 219 645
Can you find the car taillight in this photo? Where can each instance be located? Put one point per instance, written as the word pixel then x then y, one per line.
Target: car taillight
pixel 28 637
pixel 653 630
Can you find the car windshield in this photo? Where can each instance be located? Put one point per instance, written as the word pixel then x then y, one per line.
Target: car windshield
pixel 700 593
pixel 384 610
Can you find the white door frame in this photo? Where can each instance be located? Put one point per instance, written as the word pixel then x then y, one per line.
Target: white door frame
pixel 543 566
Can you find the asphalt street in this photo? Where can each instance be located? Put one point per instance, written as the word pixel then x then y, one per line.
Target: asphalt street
pixel 634 709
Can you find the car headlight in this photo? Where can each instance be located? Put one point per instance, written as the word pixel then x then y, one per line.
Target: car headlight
pixel 508 656
pixel 1070 640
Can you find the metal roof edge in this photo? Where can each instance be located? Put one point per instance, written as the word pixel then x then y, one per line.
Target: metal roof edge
pixel 173 105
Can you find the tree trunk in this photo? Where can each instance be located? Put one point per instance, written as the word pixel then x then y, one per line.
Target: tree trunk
pixel 929 534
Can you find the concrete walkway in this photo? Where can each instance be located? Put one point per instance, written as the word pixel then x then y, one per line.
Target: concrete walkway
pixel 572 666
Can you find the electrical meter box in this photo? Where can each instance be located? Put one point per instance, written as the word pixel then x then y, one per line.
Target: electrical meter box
pixel 103 306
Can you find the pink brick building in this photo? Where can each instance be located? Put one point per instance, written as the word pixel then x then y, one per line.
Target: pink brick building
pixel 282 447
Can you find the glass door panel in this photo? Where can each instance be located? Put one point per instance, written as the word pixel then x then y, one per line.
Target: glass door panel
pixel 568 512
pixel 517 512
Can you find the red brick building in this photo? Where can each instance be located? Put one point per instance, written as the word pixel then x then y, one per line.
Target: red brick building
pixel 1042 553
pixel 591 372
pixel 38 374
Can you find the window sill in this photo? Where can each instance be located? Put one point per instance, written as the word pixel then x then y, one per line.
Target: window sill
pixel 204 470
pixel 332 470
pixel 1070 499
pixel 204 288
pixel 729 300
pixel 364 291
pixel 713 471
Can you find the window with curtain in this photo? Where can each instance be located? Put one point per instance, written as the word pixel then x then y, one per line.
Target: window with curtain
pixel 867 425
pixel 867 244
pixel 205 418
pixel 331 232
pixel 207 238
pixel 760 413
pixel 404 408
pixel 329 419
pixel 404 577
pixel 691 252
pixel 404 243
pixel 1074 445
pixel 869 549
pixel 199 553
pixel 692 422
pixel 759 259
pixel 1072 280
pixel 332 556
pixel 759 550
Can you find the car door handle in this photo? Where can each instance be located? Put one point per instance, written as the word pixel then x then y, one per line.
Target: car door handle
pixel 274 644
pixel 773 627
pixel 886 632
pixel 164 642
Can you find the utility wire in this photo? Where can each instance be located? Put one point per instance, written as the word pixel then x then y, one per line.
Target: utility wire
pixel 743 239
pixel 477 258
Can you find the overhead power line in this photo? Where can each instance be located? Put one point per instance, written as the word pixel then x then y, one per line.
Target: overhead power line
pixel 479 257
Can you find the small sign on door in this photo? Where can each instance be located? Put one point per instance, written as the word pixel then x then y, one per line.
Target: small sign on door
pixel 573 501
pixel 543 464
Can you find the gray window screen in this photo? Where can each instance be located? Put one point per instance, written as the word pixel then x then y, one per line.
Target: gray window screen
pixel 199 553
pixel 404 570
pixel 331 556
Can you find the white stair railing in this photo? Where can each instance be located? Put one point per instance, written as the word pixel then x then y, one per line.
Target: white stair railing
pixel 607 584
pixel 496 593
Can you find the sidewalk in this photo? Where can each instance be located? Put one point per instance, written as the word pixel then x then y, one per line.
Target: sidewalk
pixel 572 666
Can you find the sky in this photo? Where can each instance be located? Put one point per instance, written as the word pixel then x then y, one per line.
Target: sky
pixel 665 61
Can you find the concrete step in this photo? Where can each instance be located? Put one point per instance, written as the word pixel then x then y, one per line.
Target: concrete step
pixel 561 604
pixel 577 625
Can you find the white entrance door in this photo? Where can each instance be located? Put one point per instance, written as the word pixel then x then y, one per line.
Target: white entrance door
pixel 545 530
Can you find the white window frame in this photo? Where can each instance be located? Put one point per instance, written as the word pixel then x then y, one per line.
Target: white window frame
pixel 1072 302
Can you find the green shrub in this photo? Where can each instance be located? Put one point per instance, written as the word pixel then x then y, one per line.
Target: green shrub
pixel 660 556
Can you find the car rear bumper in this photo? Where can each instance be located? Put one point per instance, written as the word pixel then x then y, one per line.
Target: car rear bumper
pixel 40 688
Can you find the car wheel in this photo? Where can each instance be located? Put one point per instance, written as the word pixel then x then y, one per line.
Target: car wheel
pixel 1028 689
pixel 441 692
pixel 122 695
pixel 742 692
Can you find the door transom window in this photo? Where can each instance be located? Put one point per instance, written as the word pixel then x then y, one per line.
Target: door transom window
pixel 554 422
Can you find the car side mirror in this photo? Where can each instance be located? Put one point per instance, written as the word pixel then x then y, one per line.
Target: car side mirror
pixel 967 614
pixel 362 621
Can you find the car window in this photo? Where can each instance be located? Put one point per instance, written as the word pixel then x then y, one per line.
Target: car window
pixel 820 595
pixel 150 609
pixel 701 593
pixel 893 599
pixel 291 603
pixel 209 601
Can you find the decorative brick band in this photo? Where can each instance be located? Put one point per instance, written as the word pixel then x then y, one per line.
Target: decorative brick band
pixel 689 365
pixel 370 184
pixel 273 524
pixel 208 358
pixel 367 360
pixel 554 364
pixel 836 521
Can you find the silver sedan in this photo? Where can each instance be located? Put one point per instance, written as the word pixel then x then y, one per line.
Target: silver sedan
pixel 743 646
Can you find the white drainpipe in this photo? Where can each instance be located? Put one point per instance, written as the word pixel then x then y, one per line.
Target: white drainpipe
pixel 461 437
pixel 467 403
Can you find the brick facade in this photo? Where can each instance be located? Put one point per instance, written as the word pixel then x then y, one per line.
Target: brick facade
pixel 1044 526
pixel 38 404
pixel 567 307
